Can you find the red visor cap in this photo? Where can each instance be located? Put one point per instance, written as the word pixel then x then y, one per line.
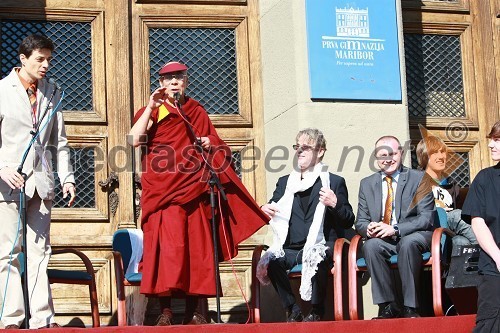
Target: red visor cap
pixel 171 67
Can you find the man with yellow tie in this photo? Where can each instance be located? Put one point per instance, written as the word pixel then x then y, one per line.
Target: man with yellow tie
pixel 395 216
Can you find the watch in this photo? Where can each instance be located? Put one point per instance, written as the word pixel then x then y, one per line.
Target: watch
pixel 396 231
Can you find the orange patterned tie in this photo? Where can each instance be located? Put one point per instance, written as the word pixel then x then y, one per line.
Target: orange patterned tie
pixel 32 96
pixel 388 201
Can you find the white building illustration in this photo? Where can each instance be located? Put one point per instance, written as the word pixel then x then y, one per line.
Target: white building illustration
pixel 352 22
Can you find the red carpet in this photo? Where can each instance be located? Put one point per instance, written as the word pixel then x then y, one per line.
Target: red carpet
pixel 455 324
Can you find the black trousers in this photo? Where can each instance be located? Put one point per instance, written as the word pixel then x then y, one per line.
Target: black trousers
pixel 277 272
pixel 488 304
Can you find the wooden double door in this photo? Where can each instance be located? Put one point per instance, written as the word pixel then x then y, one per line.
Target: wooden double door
pixel 107 57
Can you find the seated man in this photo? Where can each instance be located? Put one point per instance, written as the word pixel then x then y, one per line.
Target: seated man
pixel 395 216
pixel 432 156
pixel 309 210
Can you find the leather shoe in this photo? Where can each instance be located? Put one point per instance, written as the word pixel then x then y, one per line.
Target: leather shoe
pixel 12 327
pixel 295 317
pixel 391 310
pixel 196 319
pixel 313 316
pixel 409 312
pixel 164 320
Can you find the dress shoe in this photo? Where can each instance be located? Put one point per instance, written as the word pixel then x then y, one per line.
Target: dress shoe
pixel 51 325
pixel 313 316
pixel 409 312
pixel 12 327
pixel 196 319
pixel 295 316
pixel 164 320
pixel 391 310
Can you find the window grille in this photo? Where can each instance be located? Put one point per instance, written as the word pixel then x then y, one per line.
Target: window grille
pixel 434 76
pixel 72 63
pixel 236 156
pixel 83 161
pixel 460 165
pixel 210 55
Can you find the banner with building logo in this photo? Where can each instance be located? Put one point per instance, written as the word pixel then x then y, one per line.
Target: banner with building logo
pixel 353 49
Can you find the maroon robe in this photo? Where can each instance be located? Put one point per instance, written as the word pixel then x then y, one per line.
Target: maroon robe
pixel 176 214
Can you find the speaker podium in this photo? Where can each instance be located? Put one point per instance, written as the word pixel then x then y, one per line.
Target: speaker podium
pixel 463 278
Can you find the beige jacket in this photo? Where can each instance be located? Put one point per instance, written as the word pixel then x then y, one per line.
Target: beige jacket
pixel 49 150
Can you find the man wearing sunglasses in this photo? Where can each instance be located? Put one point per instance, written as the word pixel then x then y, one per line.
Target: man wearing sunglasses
pixel 309 210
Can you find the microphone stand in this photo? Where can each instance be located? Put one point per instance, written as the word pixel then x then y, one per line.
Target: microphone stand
pixel 213 182
pixel 23 212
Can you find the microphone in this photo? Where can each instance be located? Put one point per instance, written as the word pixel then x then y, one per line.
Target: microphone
pixel 177 96
pixel 54 83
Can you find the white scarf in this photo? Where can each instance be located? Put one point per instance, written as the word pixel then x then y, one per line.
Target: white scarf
pixel 314 249
pixel 136 238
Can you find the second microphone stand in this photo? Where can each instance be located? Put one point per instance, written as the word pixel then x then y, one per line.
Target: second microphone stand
pixel 213 182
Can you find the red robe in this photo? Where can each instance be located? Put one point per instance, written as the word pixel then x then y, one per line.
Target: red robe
pixel 176 212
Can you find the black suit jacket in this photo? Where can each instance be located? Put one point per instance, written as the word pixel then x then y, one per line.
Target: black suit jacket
pixel 336 219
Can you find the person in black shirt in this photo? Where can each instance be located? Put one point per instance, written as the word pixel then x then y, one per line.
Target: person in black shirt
pixel 309 210
pixel 482 209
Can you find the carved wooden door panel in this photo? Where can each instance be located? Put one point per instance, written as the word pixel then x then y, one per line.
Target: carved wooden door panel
pixel 96 108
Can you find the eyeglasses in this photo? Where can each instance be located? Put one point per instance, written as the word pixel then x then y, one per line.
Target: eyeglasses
pixel 303 147
pixel 178 77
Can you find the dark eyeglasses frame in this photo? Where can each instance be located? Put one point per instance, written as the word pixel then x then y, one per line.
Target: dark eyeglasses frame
pixel 304 147
pixel 178 77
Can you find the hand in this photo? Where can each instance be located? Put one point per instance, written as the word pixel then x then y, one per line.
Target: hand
pixel 69 188
pixel 497 262
pixel 380 230
pixel 204 141
pixel 12 178
pixel 157 98
pixel 270 210
pixel 327 197
pixel 370 229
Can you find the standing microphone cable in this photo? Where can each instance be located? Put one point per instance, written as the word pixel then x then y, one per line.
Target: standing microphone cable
pixel 219 195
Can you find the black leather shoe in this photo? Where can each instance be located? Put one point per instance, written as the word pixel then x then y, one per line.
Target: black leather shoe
pixel 295 317
pixel 409 312
pixel 391 310
pixel 313 316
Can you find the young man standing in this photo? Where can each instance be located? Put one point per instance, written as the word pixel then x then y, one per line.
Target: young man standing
pixel 27 99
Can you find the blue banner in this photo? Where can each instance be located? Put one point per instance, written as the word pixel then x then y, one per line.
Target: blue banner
pixel 353 49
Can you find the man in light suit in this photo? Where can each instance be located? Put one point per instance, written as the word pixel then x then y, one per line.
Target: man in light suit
pixel 309 209
pixel 26 103
pixel 395 216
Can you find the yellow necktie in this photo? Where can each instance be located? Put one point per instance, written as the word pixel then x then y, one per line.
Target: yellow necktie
pixel 388 201
pixel 32 96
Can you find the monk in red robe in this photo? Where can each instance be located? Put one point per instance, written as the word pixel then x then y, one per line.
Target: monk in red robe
pixel 176 212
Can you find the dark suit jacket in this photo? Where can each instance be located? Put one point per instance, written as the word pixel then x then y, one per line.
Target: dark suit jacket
pixel 411 218
pixel 336 219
